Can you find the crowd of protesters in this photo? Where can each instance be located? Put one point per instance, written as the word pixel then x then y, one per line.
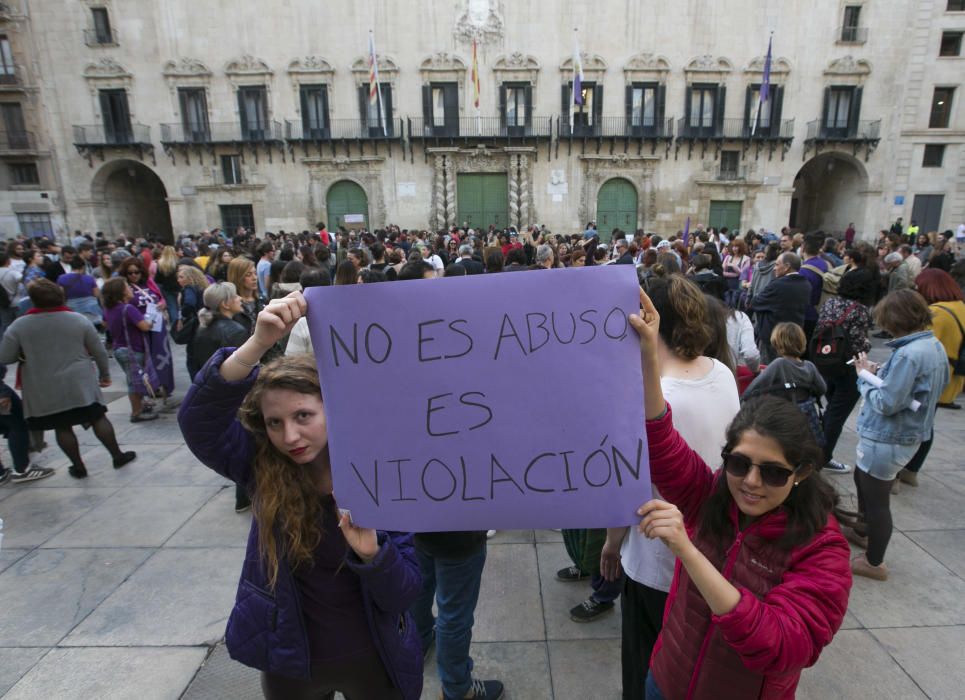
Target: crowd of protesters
pixel 755 353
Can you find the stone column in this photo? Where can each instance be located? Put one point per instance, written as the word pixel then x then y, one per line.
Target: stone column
pixel 526 195
pixel 514 190
pixel 437 216
pixel 450 192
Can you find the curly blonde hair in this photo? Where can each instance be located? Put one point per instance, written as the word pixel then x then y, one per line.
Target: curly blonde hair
pixel 285 503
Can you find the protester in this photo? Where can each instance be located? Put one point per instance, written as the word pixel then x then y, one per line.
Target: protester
pixel 890 429
pixel 785 298
pixel 766 521
pixel 705 394
pixel 166 278
pixel 77 399
pixel 13 427
pixel 241 273
pixel 81 292
pixel 127 326
pixel 321 606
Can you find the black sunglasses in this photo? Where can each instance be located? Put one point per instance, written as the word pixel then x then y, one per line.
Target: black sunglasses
pixel 772 474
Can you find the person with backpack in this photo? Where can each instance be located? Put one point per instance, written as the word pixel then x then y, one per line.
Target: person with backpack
pixel 842 330
pixel 813 268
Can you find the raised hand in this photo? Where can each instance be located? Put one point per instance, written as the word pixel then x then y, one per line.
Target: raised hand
pixel 363 541
pixel 647 325
pixel 664 521
pixel 278 318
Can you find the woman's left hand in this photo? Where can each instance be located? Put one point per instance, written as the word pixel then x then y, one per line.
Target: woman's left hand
pixel 646 324
pixel 663 520
pixel 363 541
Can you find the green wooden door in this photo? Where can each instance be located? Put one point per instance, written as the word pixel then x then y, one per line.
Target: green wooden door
pixel 482 199
pixel 616 207
pixel 725 214
pixel 346 199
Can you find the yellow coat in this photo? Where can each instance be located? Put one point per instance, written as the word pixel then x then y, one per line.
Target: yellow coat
pixel 950 337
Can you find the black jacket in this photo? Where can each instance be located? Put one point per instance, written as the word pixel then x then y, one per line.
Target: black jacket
pixel 220 333
pixel 783 299
pixel 472 267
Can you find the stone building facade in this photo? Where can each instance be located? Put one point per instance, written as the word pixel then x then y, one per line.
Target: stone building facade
pixel 181 115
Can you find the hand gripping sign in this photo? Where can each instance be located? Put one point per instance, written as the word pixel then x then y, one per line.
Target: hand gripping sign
pixel 484 402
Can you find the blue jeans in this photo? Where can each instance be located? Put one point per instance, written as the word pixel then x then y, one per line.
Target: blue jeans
pixel 454 584
pixel 15 428
pixel 605 591
pixel 653 692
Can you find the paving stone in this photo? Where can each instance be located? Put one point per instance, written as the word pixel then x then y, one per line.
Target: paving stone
pixel 933 505
pixel 14 663
pixel 919 591
pixel 512 537
pixel 215 525
pixel 523 667
pixel 45 594
pixel 932 657
pixel 547 536
pixel 8 557
pixel 32 516
pixel 560 597
pixel 509 607
pixel 110 674
pixel 180 468
pixel 586 669
pixel 100 467
pixel 179 597
pixel 135 517
pixel 222 677
pixel 947 546
pixel 855 665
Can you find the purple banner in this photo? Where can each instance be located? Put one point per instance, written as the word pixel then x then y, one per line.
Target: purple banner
pixel 487 402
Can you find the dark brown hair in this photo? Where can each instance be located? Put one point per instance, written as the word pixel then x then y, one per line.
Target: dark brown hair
pixel 114 291
pixel 683 315
pixel 902 312
pixel 44 294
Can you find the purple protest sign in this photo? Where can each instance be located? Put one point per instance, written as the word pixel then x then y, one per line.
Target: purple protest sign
pixel 484 402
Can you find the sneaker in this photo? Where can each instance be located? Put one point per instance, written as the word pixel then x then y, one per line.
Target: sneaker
pixel 907 477
pixel 861 567
pixel 125 458
pixel 170 405
pixel 32 473
pixel 78 472
pixel 589 610
pixel 571 574
pixel 836 467
pixel 490 534
pixel 489 690
pixel 143 416
pixel 4 476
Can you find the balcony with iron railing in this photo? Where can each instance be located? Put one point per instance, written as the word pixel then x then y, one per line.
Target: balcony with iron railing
pixel 11 76
pixel 852 35
pixel 341 130
pixel 819 130
pixel 220 132
pixel 731 174
pixel 98 135
pixel 737 130
pixel 100 37
pixel 469 128
pixel 17 141
pixel 617 127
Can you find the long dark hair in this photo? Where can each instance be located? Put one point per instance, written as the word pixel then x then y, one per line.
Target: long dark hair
pixel 808 504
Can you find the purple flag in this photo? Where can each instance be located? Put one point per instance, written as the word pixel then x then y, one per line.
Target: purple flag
pixel 766 81
pixel 687 232
pixel 443 412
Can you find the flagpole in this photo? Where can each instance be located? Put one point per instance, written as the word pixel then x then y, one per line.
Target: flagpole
pixel 378 86
pixel 575 85
pixel 764 93
pixel 475 87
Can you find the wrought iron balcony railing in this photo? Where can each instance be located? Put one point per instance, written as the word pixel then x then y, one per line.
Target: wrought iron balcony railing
pixel 341 130
pixel 852 35
pixel 17 141
pixel 819 130
pixel 480 127
pixel 99 135
pixel 221 132
pixel 737 130
pixel 731 174
pixel 11 75
pixel 100 37
pixel 617 127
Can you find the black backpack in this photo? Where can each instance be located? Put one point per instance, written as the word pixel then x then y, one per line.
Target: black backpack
pixel 830 347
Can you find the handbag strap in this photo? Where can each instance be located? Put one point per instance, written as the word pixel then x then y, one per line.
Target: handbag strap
pixel 957 322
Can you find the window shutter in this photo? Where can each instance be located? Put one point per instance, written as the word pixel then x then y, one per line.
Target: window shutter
pixel 324 115
pixel 565 105
pixel 688 100
pixel 660 109
pixel 719 109
pixel 243 113
pixel 855 112
pixel 106 117
pixel 749 108
pixel 427 106
pixel 364 105
pixel 306 113
pixel 502 104
pixel 597 106
pixel 528 95
pixel 628 106
pixel 777 106
pixel 827 106
pixel 387 108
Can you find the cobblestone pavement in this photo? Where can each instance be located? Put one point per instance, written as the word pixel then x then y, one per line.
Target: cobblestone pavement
pixel 119 587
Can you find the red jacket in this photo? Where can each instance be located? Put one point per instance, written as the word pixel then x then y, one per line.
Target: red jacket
pixel 792 601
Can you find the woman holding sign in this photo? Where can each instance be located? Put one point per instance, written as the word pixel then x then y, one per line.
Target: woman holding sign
pixel 764 574
pixel 321 606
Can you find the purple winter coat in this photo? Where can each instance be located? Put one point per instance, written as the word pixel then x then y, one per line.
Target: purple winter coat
pixel 267 630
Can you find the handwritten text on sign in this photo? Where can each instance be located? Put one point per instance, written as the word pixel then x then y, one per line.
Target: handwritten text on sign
pixel 492 401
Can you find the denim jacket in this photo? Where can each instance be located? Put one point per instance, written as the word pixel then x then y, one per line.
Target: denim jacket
pixel 917 369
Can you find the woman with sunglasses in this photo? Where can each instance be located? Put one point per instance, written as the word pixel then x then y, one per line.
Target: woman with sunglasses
pixel 763 578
